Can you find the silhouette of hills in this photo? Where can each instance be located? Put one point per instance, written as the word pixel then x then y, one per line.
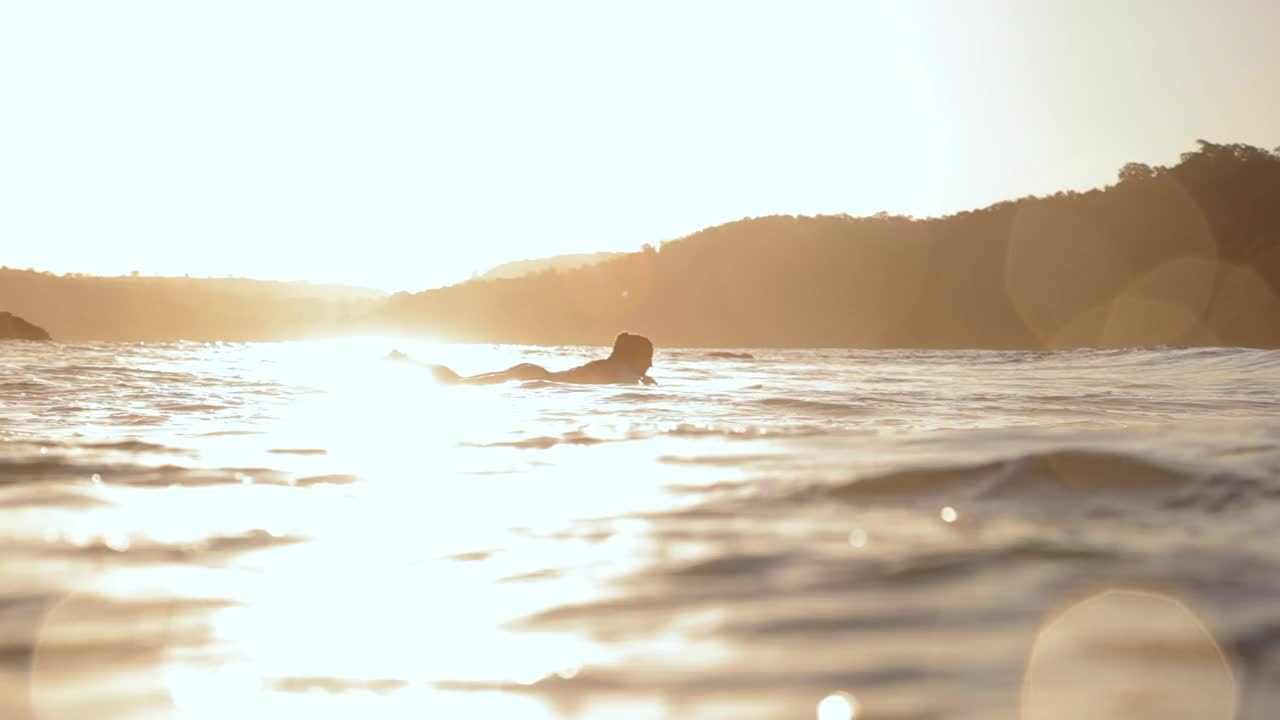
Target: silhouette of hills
pixel 1182 255
pixel 80 307
pixel 520 268
pixel 13 327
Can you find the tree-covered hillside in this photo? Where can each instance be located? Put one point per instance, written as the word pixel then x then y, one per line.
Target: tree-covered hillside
pixel 1188 254
pixel 1182 255
pixel 80 307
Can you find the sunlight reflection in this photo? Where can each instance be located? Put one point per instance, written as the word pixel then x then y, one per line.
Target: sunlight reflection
pixel 129 634
pixel 838 706
pixel 214 692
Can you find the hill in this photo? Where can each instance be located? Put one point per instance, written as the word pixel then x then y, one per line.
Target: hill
pixel 1182 255
pixel 78 307
pixel 13 327
pixel 521 268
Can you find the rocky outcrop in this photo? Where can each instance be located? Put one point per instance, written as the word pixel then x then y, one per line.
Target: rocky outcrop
pixel 13 327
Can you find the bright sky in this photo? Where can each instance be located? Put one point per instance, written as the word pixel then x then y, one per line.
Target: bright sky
pixel 403 144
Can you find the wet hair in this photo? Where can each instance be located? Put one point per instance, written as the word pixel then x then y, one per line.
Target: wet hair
pixel 635 350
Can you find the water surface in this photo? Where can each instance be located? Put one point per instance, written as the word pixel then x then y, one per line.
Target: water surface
pixel 204 530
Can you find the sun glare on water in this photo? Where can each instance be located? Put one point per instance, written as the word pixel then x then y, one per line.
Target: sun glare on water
pixel 838 706
pixel 385 585
pixel 369 543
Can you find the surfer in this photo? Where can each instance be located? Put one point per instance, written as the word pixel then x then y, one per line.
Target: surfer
pixel 629 363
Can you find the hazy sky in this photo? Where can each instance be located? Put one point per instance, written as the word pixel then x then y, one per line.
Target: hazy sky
pixel 404 144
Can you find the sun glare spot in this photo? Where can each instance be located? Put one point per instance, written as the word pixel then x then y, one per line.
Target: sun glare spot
pixel 1072 287
pixel 838 706
pixel 117 541
pixel 79 536
pixel 858 537
pixel 949 514
pixel 1099 655
pixel 212 692
pixel 528 677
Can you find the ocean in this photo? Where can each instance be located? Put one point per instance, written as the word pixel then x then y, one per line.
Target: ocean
pixel 306 529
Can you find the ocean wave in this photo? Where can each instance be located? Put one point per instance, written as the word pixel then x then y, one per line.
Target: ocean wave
pixel 639 396
pixel 334 685
pixel 801 405
pixel 1250 360
pixel 140 549
pixel 542 442
pixel 91 471
pixel 1052 476
pixel 742 578
pixel 133 446
pixel 682 430
pixel 740 432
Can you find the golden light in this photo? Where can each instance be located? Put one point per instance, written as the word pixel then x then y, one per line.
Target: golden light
pixel 67 680
pixel 1162 304
pixel 1074 283
pixel 1124 654
pixel 1246 304
pixel 838 706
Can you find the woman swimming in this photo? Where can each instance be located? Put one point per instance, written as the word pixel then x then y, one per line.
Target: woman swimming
pixel 629 363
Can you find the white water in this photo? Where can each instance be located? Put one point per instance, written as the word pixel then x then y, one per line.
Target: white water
pixel 194 530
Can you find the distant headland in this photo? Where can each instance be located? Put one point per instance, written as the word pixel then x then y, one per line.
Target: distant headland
pixel 1180 255
pixel 13 327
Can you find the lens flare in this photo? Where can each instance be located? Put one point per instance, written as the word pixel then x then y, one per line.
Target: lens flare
pixel 838 706
pixel 1125 654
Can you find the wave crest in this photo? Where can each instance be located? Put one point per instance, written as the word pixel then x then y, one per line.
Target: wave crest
pixel 1057 475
